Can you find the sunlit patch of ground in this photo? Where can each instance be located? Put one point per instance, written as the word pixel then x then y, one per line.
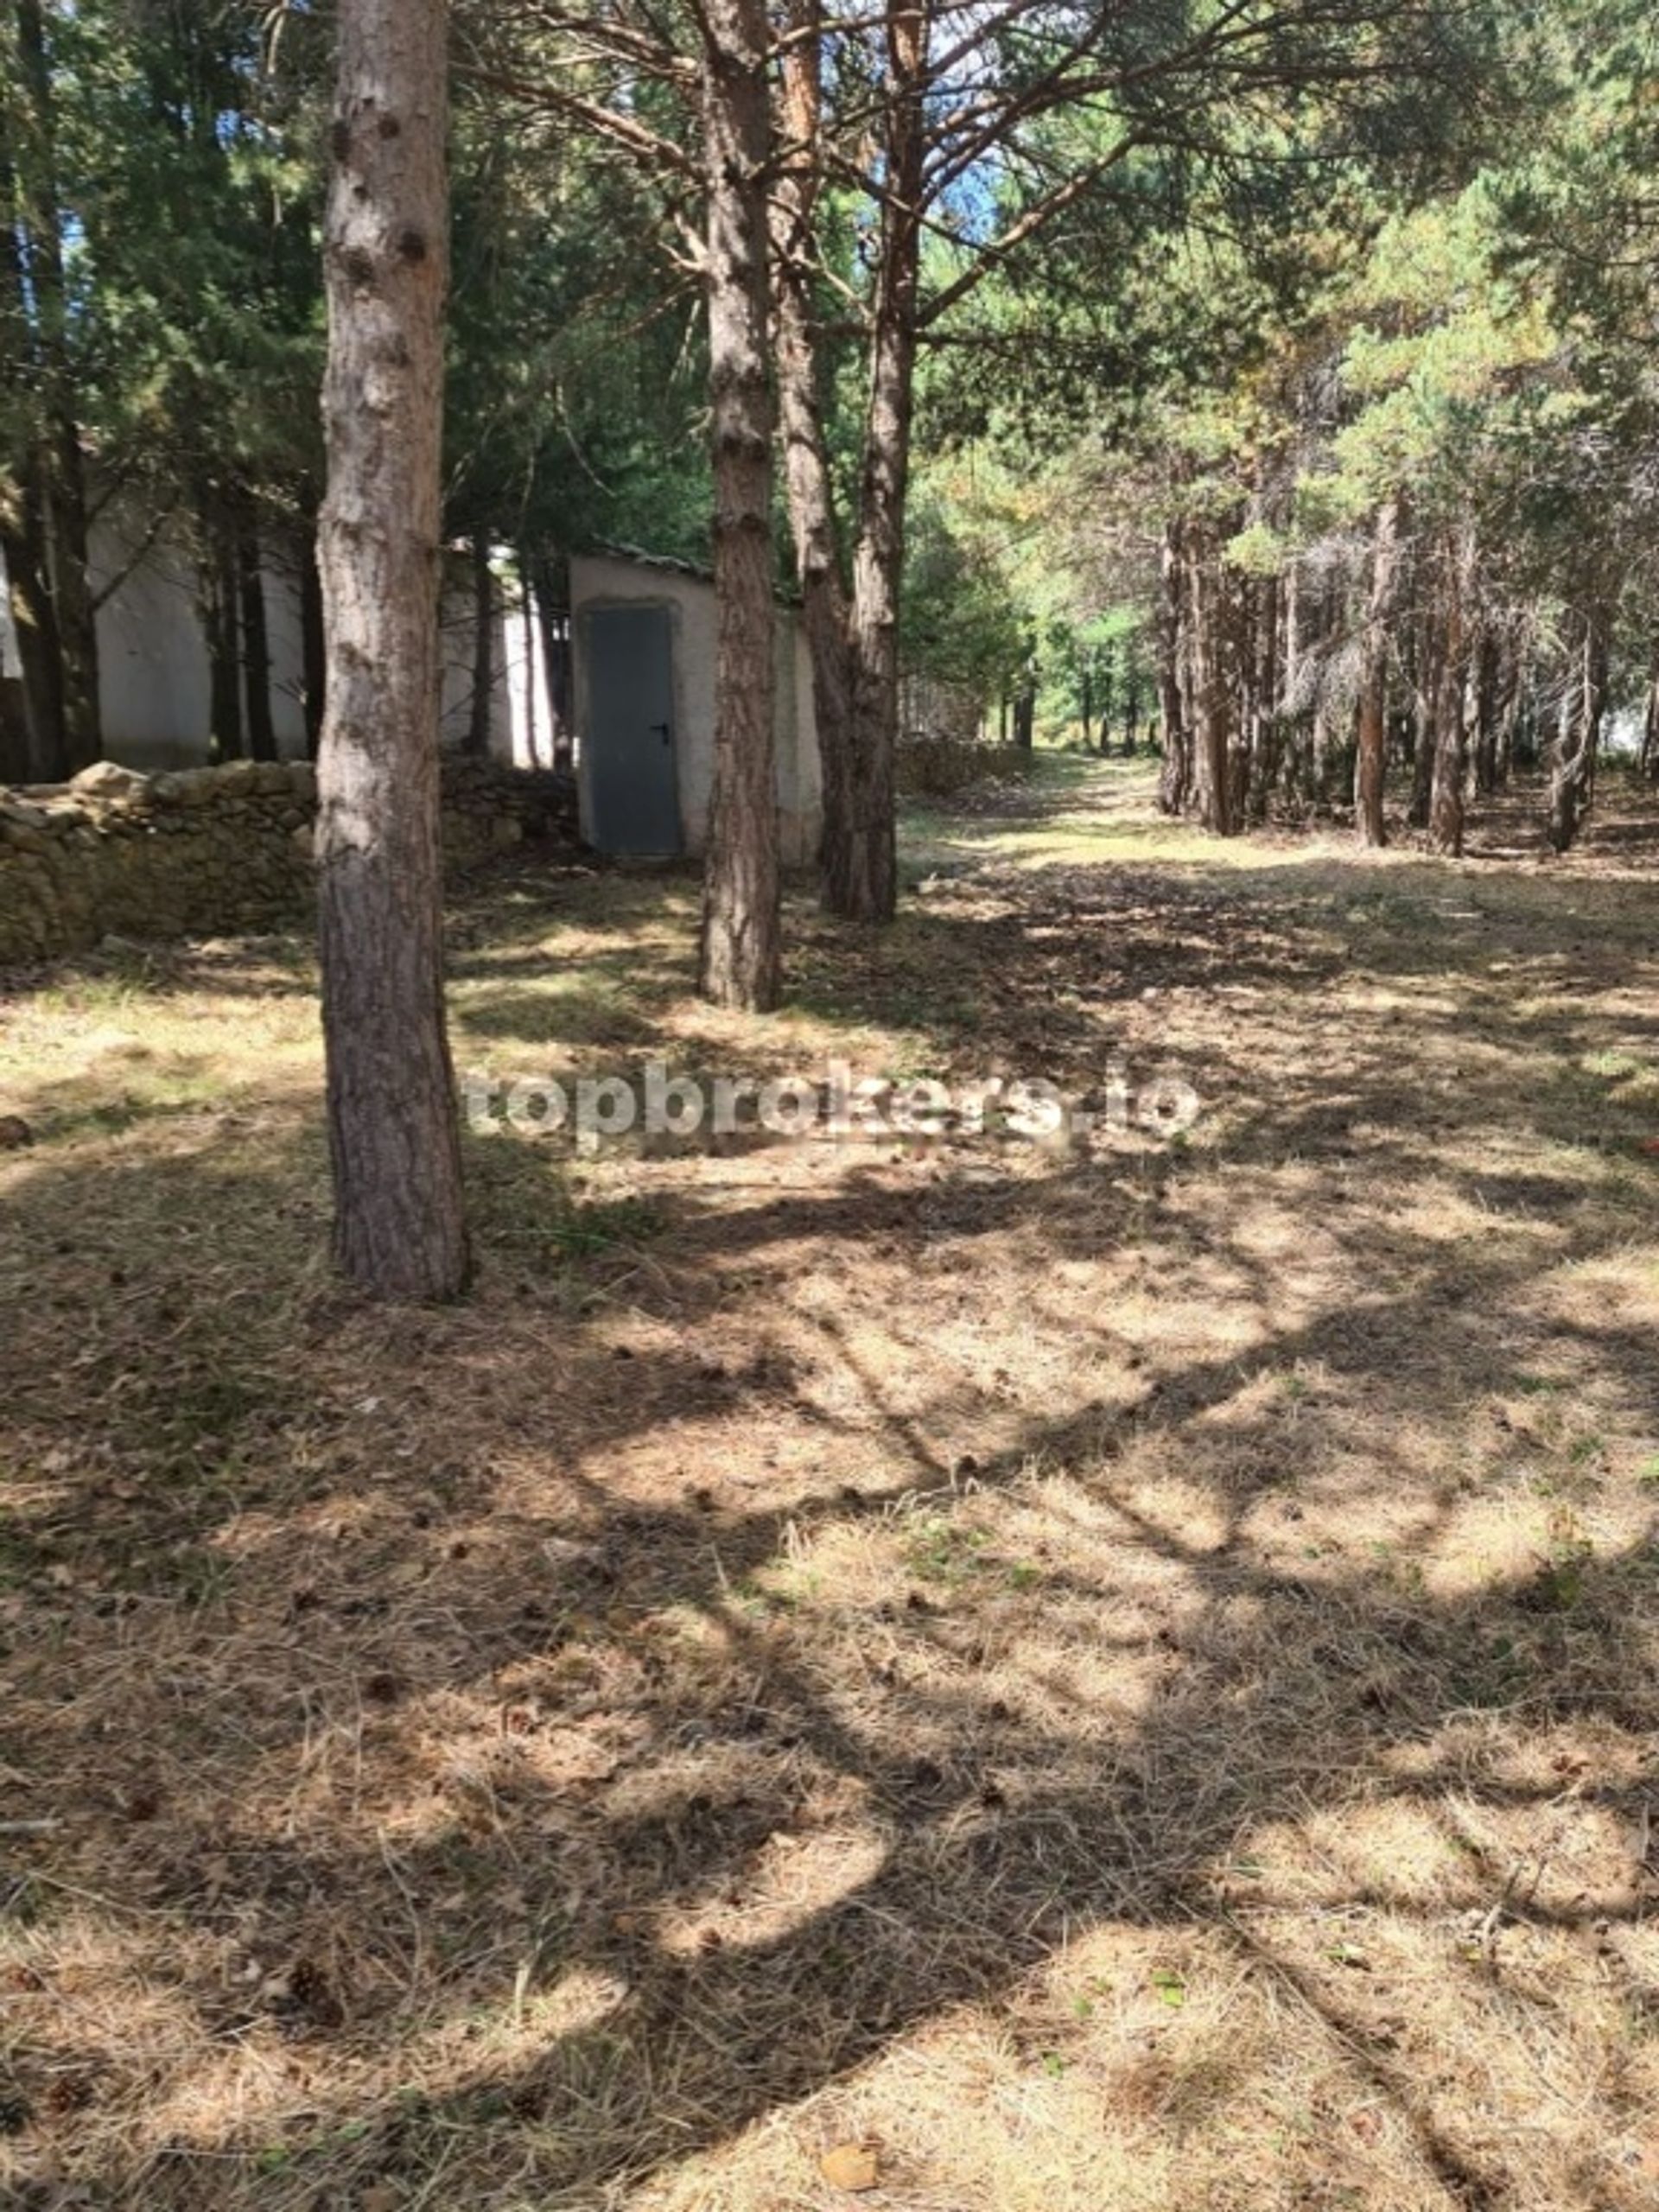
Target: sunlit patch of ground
pixel 1119 1673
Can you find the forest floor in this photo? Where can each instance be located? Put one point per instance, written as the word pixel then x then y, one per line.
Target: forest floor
pixel 1025 1676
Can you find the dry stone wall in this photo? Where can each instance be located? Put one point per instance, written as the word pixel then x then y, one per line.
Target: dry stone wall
pixel 214 851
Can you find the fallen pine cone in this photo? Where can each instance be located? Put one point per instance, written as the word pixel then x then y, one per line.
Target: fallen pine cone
pixel 14 1133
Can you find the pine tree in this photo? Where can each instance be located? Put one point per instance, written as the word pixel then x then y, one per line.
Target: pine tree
pixel 400 1229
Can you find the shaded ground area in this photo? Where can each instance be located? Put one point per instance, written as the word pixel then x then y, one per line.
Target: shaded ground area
pixel 1118 1672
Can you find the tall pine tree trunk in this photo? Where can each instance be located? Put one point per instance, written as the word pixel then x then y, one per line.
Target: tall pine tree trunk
pixel 218 574
pixel 860 856
pixel 400 1227
pixel 1266 721
pixel 1449 764
pixel 1511 699
pixel 1430 654
pixel 1572 766
pixel 1175 778
pixel 22 518
pixel 35 625
pixel 1371 755
pixel 1489 707
pixel 478 719
pixel 1025 707
pixel 1131 711
pixel 61 466
pixel 740 958
pixel 808 482
pixel 528 632
pixel 1207 618
pixel 256 636
pixel 313 641
pixel 549 581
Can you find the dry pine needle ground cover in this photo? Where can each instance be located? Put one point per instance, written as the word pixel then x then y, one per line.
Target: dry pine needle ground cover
pixel 956 1676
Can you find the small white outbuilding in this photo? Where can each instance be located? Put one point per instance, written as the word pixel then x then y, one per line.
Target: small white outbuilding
pixel 642 634
pixel 154 681
pixel 641 661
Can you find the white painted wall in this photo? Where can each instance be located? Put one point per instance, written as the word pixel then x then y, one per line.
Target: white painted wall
pixel 154 683
pixel 609 580
pixel 155 690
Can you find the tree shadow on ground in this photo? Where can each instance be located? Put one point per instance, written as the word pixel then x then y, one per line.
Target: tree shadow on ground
pixel 414 1749
pixel 835 1643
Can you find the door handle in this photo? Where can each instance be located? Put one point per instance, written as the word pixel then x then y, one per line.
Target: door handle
pixel 665 730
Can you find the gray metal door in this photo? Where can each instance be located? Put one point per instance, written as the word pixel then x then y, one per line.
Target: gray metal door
pixel 633 793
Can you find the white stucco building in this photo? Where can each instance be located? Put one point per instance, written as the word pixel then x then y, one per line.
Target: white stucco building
pixel 641 638
pixel 155 682
pixel 643 633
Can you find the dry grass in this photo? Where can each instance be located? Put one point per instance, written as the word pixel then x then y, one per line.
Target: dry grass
pixel 1118 1677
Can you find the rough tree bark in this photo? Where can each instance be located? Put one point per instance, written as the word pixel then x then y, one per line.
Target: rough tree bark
pixel 1511 691
pixel 400 1227
pixel 529 627
pixel 1430 652
pixel 1290 678
pixel 34 626
pixel 1327 769
pixel 1266 721
pixel 549 581
pixel 1572 766
pixel 1371 753
pixel 1175 777
pixel 313 642
pixel 860 857
pixel 1025 708
pixel 62 483
pixel 219 596
pixel 1489 706
pixel 1207 617
pixel 23 515
pixel 740 918
pixel 478 720
pixel 255 637
pixel 824 605
pixel 1450 733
